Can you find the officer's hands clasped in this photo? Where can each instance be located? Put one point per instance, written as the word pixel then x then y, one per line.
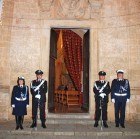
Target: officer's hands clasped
pixel 38 96
pixel 102 95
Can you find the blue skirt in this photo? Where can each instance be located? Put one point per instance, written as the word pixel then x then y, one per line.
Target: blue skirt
pixel 20 109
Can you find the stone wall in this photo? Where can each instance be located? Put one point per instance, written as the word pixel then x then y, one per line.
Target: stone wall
pixel 114 42
pixel 118 43
pixel 5 40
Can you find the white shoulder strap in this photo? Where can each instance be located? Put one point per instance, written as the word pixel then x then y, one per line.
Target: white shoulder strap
pixel 103 87
pixel 96 86
pixel 26 89
pixel 125 87
pixel 37 88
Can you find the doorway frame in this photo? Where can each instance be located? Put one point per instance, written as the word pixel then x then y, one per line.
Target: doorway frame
pixel 85 66
pixel 94 56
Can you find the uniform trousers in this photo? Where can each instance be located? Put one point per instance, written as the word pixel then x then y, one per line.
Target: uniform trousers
pixel 41 105
pixel 120 111
pixel 98 110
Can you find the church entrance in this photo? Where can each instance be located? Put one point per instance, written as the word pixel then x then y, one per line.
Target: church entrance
pixel 68 89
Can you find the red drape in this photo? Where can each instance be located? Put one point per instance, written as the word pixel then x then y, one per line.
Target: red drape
pixel 72 49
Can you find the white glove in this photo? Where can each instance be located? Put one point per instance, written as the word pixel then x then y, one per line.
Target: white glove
pixel 102 95
pixel 128 100
pixel 38 96
pixel 13 105
pixel 27 106
pixel 113 100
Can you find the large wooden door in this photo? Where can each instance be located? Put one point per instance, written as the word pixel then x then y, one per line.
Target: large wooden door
pixel 53 56
pixel 86 71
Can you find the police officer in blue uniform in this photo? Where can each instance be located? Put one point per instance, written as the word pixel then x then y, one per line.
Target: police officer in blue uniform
pixel 101 90
pixel 20 101
pixel 120 94
pixel 38 91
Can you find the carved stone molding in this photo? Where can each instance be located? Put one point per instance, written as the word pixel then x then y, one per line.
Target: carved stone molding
pixel 95 9
pixel 45 5
pixel 70 9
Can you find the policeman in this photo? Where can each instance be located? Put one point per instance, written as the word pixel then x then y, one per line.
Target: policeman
pixel 38 91
pixel 101 89
pixel 120 94
pixel 20 101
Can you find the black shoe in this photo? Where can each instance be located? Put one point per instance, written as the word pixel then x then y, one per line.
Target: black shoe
pixel 122 125
pixel 117 125
pixel 33 125
pixel 17 127
pixel 43 125
pixel 96 124
pixel 105 124
pixel 21 127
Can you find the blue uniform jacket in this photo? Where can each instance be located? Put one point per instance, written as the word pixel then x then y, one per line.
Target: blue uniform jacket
pixel 120 90
pixel 20 98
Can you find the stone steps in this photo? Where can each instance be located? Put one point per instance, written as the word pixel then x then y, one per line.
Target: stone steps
pixel 68 115
pixel 69 128
pixel 85 134
pixel 69 121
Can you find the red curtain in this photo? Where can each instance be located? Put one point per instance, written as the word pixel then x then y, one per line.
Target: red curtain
pixel 72 49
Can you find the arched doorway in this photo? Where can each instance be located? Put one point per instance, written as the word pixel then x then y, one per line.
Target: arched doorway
pixel 63 71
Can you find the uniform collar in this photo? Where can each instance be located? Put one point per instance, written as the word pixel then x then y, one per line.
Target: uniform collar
pixel 21 86
pixel 102 81
pixel 39 80
pixel 120 79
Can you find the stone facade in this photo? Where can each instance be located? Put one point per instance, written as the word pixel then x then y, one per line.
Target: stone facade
pixel 114 43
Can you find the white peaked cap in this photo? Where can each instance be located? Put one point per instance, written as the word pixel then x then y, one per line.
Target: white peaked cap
pixel 21 78
pixel 120 71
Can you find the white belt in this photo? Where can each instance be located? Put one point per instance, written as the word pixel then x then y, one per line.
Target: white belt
pixel 117 94
pixel 20 99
